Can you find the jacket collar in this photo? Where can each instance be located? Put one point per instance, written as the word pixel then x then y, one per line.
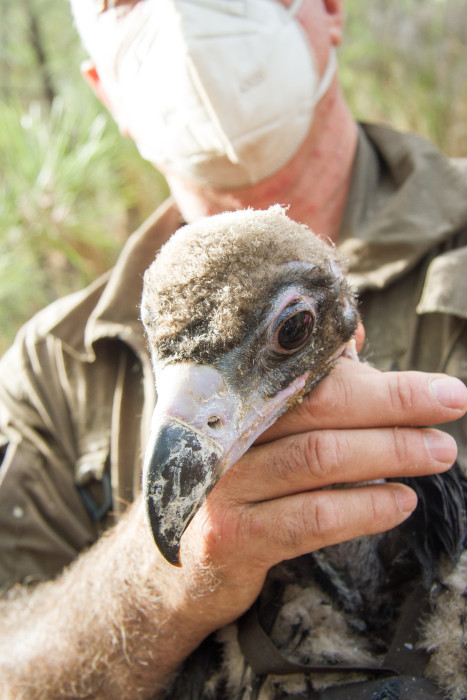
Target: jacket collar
pixel 117 311
pixel 110 306
pixel 405 198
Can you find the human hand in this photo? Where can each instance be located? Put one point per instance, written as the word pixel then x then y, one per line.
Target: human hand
pixel 356 426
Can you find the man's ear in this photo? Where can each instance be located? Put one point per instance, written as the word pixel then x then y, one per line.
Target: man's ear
pixel 92 77
pixel 335 17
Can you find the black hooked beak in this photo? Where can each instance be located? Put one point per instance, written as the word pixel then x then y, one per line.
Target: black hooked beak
pixel 180 471
pixel 199 428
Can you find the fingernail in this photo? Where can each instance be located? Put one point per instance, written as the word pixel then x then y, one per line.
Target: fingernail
pixel 450 392
pixel 406 499
pixel 441 446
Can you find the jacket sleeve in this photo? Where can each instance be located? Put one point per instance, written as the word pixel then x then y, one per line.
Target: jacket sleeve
pixel 43 521
pixel 443 306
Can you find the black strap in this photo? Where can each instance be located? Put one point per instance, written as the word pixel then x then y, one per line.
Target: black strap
pixel 97 511
pixel 394 688
pixel 403 654
pixel 264 657
pixel 402 657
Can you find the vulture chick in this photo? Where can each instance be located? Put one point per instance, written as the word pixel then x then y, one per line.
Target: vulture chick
pixel 245 312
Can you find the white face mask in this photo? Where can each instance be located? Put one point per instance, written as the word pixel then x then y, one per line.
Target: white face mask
pixel 220 91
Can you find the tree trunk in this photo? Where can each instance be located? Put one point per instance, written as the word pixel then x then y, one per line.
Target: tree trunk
pixel 38 48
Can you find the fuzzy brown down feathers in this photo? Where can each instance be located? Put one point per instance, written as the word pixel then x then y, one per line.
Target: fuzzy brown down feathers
pixel 206 283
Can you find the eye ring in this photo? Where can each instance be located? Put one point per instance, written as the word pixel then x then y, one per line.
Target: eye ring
pixel 293 332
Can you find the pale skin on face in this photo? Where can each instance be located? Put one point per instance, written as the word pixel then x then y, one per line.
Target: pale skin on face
pixel 120 621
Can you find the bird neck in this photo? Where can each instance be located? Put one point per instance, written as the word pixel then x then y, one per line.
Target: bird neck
pixel 314 184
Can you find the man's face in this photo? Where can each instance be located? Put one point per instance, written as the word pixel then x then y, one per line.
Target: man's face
pixel 221 96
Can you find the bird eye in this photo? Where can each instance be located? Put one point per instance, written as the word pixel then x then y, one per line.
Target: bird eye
pixel 294 331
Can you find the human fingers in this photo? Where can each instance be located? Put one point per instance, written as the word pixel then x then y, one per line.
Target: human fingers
pixel 256 536
pixel 316 459
pixel 291 526
pixel 355 395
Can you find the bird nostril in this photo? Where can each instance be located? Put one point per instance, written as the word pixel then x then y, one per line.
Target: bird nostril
pixel 214 422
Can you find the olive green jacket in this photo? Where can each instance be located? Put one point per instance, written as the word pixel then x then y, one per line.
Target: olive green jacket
pixel 76 388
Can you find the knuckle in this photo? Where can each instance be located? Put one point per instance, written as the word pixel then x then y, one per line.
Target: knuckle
pixel 345 393
pixel 313 456
pixel 253 526
pixel 210 527
pixel 323 518
pixel 402 445
pixel 221 527
pixel 374 505
pixel 402 395
pixel 335 393
pixel 315 519
pixel 322 453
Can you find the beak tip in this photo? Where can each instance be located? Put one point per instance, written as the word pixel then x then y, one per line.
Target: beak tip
pixel 169 547
pixel 173 557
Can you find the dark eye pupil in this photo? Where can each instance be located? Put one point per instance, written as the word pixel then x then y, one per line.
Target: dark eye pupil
pixel 295 330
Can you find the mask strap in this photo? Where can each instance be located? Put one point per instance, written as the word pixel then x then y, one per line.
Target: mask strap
pixel 327 77
pixel 294 7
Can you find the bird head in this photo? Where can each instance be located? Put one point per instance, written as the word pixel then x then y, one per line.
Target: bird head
pixel 245 313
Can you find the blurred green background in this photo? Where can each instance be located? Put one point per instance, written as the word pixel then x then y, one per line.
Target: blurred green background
pixel 72 189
